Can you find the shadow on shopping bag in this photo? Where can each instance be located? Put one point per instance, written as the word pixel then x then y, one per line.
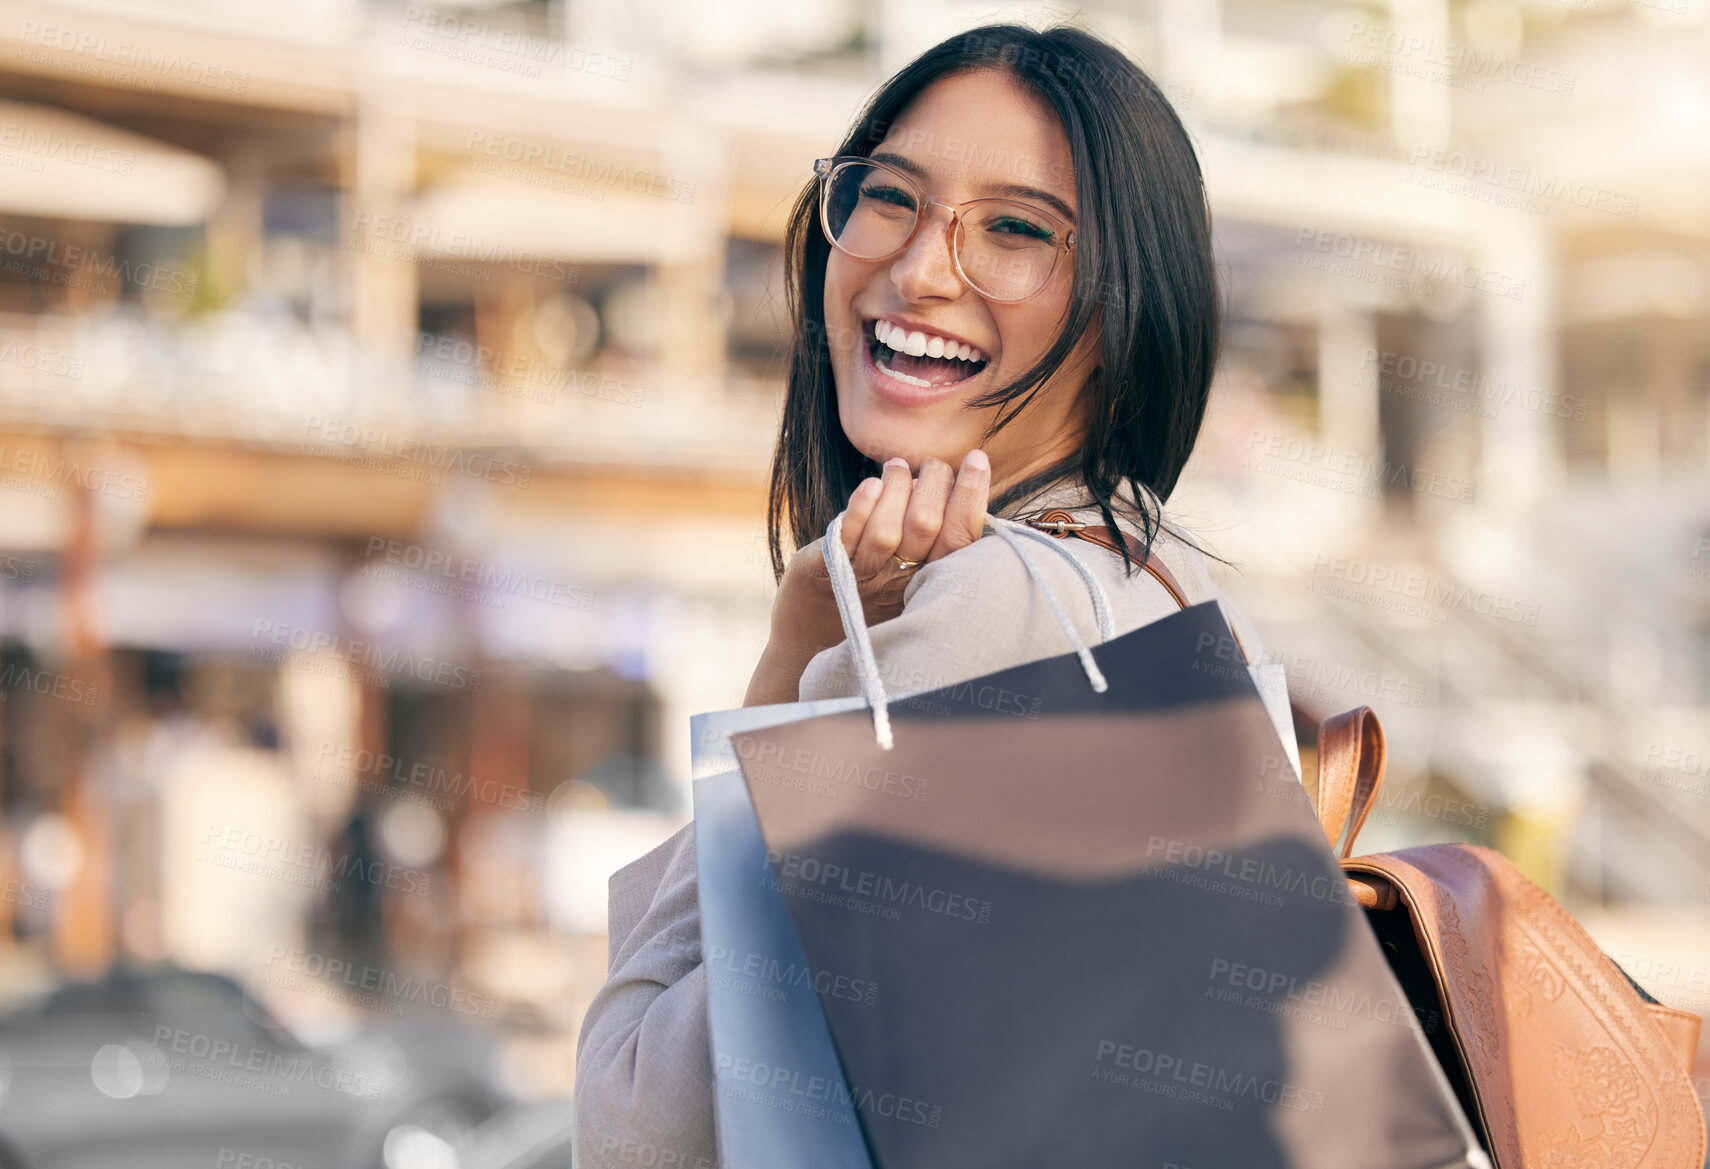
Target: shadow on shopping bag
pixel 1022 1020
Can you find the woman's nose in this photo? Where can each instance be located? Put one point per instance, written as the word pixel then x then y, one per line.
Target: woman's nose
pixel 926 269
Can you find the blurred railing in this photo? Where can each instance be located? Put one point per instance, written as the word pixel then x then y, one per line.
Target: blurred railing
pixel 275 381
pixel 1497 682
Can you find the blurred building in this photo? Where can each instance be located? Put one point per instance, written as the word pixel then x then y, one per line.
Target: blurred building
pixel 386 395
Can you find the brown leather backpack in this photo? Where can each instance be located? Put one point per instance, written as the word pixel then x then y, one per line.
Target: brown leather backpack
pixel 1558 1057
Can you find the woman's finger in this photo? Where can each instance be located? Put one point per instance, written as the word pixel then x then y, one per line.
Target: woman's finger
pixel 965 514
pixel 925 514
pixel 855 516
pixel 883 530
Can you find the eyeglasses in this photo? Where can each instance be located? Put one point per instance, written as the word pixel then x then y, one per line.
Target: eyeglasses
pixel 1002 249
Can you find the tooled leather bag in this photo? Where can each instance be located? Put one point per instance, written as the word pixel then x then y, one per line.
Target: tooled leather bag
pixel 1559 1059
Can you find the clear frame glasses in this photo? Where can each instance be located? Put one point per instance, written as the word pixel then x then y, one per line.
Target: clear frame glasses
pixel 1003 249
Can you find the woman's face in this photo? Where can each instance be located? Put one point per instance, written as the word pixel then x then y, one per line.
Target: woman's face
pixel 962 138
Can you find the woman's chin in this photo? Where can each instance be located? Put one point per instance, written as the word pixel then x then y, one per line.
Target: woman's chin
pixel 881 429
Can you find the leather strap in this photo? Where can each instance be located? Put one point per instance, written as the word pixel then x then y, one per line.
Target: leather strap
pixel 1351 756
pixel 1681 1029
pixel 1102 535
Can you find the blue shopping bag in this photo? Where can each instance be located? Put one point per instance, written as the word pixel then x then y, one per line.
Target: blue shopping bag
pixel 781 1099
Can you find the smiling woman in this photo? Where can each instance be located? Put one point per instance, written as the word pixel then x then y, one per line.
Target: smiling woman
pixel 1091 290
pixel 1004 302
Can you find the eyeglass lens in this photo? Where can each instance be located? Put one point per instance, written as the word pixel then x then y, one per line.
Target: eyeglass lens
pixel 1007 249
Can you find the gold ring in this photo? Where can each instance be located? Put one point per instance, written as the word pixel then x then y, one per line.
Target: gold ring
pixel 906 565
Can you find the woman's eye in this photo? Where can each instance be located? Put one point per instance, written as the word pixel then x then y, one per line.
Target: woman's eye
pixel 891 195
pixel 1011 226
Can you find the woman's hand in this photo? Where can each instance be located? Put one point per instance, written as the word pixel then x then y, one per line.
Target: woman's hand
pixel 895 515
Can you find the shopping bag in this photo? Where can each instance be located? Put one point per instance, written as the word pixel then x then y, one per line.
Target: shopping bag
pixel 762 996
pixel 1104 929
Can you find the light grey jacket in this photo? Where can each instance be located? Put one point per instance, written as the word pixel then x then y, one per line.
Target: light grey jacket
pixel 644 1082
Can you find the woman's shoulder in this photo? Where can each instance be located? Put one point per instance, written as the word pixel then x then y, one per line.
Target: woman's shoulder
pixel 968 613
pixel 1154 525
pixel 980 609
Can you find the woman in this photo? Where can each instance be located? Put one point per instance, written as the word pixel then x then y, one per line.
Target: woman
pixel 1005 300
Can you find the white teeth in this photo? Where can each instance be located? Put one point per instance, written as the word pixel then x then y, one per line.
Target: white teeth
pixel 920 344
pixel 911 380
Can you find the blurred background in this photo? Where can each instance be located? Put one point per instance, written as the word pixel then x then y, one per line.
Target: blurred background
pixel 386 398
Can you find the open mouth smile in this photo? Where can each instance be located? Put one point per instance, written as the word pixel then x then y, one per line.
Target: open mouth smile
pixel 925 361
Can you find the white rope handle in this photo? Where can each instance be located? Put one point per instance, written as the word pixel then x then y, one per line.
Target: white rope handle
pixel 847 591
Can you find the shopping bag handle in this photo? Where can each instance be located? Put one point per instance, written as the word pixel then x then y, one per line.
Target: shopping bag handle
pixel 847 592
